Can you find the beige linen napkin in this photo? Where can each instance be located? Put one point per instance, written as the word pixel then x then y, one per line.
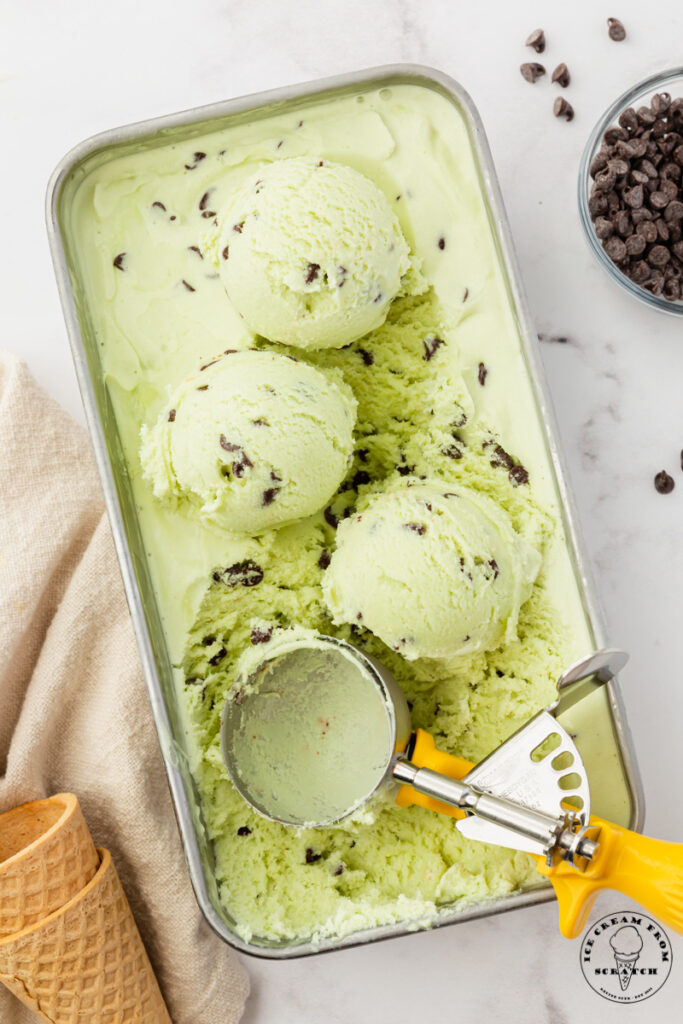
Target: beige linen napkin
pixel 74 713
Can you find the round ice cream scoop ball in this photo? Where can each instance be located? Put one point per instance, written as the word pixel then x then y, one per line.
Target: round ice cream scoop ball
pixel 432 570
pixel 254 441
pixel 311 254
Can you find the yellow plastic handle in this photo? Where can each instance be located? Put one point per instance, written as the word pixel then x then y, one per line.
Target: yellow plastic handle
pixel 650 871
pixel 426 755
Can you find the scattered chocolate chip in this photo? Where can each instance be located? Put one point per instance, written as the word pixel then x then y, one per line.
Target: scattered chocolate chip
pixel 204 387
pixel 360 478
pixel 536 40
pixel 561 108
pixel 197 250
pixel 225 252
pixel 452 451
pixel 442 243
pixel 531 71
pixel 208 640
pixel 367 357
pixel 242 574
pixel 378 297
pixel 561 76
pixel 664 484
pixel 493 564
pixel 482 374
pixel 196 159
pixel 261 422
pixel 244 830
pixel 362 454
pixel 324 559
pixel 341 276
pixel 465 295
pixel 330 518
pixel 615 30
pixel 312 857
pixel 518 475
pixel 407 470
pixel 261 636
pixel 500 457
pixel 157 205
pixel 118 261
pixel 193 681
pixel 269 495
pixel 171 415
pixel 275 476
pixel 430 345
pixel 312 272
pixel 418 528
pixel 339 870
pixel 218 657
pixel 238 227
pixel 208 214
pixel 188 286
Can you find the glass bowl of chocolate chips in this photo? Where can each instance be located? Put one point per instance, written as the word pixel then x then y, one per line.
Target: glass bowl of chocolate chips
pixel 631 191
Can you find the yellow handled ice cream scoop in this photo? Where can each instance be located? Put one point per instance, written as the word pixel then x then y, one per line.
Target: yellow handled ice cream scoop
pixel 314 728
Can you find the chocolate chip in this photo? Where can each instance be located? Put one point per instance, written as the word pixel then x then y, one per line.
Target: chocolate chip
pixel 442 243
pixel 261 636
pixel 193 681
pixel 204 387
pixel 360 478
pixel 362 454
pixel 204 200
pixel 664 484
pixel 465 295
pixel 493 564
pixel 659 256
pixel 500 457
pixel 244 830
pixel 312 272
pixel 451 451
pixel 312 857
pixel 237 228
pixel 532 71
pixel 615 30
pixel 482 374
pixel 218 657
pixel 615 249
pixel 242 574
pixel 269 495
pixel 418 528
pixel 118 261
pixel 628 119
pixel 188 286
pixel 367 357
pixel 171 415
pixel 561 75
pixel 330 518
pixel 536 40
pixel 430 346
pixel 226 252
pixel 339 870
pixel 158 205
pixel 518 475
pixel 196 249
pixel 324 559
pixel 196 159
pixel 208 640
pixel 561 108
pixel 604 228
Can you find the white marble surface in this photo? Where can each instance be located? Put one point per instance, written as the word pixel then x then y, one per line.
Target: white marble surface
pixel 73 67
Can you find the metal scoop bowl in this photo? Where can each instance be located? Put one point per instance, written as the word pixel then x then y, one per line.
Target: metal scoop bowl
pixel 315 728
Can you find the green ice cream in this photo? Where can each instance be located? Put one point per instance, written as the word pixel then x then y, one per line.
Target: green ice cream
pixel 443 392
pixel 252 441
pixel 432 572
pixel 311 253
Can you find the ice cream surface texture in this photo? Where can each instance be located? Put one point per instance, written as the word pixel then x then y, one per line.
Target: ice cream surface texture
pixel 311 253
pixel 432 572
pixel 252 441
pixel 444 392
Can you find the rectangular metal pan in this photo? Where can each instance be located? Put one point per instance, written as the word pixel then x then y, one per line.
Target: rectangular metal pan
pixel 121 506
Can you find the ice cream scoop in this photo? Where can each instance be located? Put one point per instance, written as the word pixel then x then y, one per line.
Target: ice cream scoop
pixel 432 570
pixel 310 253
pixel 254 441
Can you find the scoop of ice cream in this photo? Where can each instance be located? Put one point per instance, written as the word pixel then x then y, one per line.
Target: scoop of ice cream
pixel 433 571
pixel 311 253
pixel 626 941
pixel 254 441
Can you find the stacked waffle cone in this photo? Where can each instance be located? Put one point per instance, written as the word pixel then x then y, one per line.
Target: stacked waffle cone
pixel 69 946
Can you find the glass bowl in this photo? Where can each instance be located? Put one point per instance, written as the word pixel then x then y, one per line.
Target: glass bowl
pixel 639 95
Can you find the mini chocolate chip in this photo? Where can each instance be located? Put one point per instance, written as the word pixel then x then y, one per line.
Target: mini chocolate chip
pixel 660 103
pixel 659 256
pixel 242 574
pixel 561 108
pixel 275 476
pixel 324 559
pixel 226 252
pixel 367 357
pixel 188 286
pixel 536 40
pixel 193 681
pixel 218 657
pixel 451 451
pixel 204 200
pixel 362 454
pixel 628 119
pixel 418 528
pixel 171 415
pixel 442 243
pixel 196 249
pixel 360 478
pixel 269 495
pixel 339 870
pixel 208 640
pixel 615 30
pixel 430 346
pixel 531 71
pixel 312 272
pixel 196 159
pixel 237 228
pixel 312 857
pixel 635 245
pixel 494 566
pixel 664 484
pixel 482 374
pixel 158 205
pixel 330 518
pixel 518 475
pixel 261 636
pixel 604 228
pixel 615 249
pixel 118 261
pixel 244 830
pixel 204 387
pixel 501 457
pixel 465 295
pixel 561 75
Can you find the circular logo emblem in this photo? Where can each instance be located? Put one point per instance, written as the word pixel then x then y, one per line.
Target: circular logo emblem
pixel 626 957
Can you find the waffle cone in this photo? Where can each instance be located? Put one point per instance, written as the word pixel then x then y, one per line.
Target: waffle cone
pixel 46 857
pixel 85 963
